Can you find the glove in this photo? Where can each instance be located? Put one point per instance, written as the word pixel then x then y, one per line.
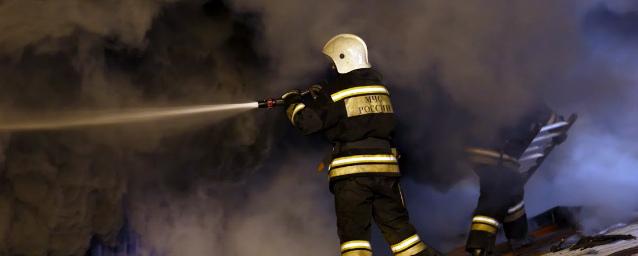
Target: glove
pixel 314 90
pixel 291 97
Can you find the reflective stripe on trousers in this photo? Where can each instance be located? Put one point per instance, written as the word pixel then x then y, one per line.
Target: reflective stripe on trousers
pixel 356 248
pixel 409 246
pixel 515 212
pixel 377 163
pixel 485 223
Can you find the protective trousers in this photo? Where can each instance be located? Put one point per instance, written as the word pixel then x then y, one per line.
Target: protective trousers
pixel 358 199
pixel 500 203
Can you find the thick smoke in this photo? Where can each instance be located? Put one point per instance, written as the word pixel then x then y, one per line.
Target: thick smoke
pixel 285 216
pixel 196 187
pixel 46 25
pixel 493 61
pixel 600 159
pixel 62 189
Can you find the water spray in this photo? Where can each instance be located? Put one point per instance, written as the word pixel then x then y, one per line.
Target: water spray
pixel 97 118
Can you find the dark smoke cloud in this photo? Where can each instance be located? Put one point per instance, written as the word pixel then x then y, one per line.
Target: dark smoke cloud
pixel 491 61
pixel 45 25
pixel 192 187
pixel 61 189
pixel 445 60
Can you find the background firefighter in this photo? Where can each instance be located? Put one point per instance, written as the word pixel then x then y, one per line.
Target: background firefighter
pixel 497 163
pixel 354 112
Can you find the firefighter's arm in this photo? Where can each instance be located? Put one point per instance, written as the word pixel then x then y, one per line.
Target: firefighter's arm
pixel 305 110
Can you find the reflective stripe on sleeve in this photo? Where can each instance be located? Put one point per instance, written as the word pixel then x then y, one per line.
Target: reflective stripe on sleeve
pixel 490 157
pixel 485 160
pixel 358 159
pixel 490 153
pixel 298 108
pixel 364 168
pixel 359 90
pixel 293 110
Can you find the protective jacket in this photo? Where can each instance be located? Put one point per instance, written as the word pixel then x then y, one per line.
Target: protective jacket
pixel 355 114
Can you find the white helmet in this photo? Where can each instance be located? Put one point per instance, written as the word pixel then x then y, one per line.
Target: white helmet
pixel 348 52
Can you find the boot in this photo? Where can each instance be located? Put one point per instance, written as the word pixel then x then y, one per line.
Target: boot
pixel 478 252
pixel 480 243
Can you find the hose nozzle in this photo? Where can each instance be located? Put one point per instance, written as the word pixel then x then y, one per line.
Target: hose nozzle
pixel 270 103
pixel 279 102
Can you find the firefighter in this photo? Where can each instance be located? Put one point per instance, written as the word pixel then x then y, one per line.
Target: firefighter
pixel 496 163
pixel 354 112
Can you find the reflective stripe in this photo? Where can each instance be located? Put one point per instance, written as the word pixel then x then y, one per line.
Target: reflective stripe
pixel 485 160
pixel 490 153
pixel 516 207
pixel 296 109
pixel 289 93
pixel 359 90
pixel 364 168
pixel 356 244
pixel 348 160
pixel 485 220
pixel 406 243
pixel 414 250
pixel 515 212
pixel 515 215
pixel 484 227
